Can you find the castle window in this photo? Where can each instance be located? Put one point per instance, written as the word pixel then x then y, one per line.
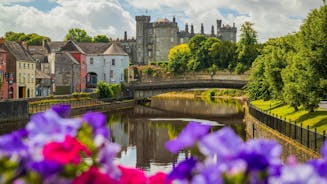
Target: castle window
pixel 182 40
pixel 104 77
pixel 172 39
pixel 158 53
pixel 111 74
pixel 91 61
pixel 113 62
pixel 149 53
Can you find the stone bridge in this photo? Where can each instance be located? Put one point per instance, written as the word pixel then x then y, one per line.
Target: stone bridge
pixel 149 89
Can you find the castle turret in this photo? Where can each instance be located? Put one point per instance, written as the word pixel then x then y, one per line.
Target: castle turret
pixel 174 19
pixel 212 30
pixel 192 29
pixel 218 26
pixel 125 35
pixel 202 28
pixel 186 27
pixel 140 37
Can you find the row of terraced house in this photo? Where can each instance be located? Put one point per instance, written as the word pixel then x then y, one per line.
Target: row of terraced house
pixel 58 67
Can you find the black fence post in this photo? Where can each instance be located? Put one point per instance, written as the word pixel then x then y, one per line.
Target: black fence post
pixel 253 129
pixel 324 135
pixel 295 128
pixel 308 136
pixel 315 138
pixel 301 135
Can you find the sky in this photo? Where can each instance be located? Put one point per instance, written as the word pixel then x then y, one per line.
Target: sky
pixel 53 18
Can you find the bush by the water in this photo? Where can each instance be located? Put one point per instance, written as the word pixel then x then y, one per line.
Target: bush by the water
pixel 106 90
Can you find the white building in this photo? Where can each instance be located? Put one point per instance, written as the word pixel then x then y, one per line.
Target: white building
pixel 108 66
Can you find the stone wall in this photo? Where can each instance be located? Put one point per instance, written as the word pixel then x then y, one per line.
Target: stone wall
pixel 13 110
pixel 256 129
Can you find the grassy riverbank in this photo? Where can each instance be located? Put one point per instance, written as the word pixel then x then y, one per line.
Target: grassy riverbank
pixel 205 94
pixel 317 119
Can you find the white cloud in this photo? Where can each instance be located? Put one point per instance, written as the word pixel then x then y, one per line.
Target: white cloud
pixel 271 18
pixel 96 17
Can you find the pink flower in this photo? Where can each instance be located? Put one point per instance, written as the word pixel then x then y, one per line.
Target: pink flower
pixel 94 176
pixel 65 152
pixel 132 176
pixel 158 178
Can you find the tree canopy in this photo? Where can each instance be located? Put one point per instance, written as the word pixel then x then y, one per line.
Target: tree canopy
pixel 31 39
pixel 80 35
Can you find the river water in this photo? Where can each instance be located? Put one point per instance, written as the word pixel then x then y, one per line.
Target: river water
pixel 143 130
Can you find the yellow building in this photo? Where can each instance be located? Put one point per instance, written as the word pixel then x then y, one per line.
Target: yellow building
pixel 25 79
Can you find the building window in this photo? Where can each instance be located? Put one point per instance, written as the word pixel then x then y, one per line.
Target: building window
pixel 113 62
pixel 19 65
pixel 91 61
pixel 32 66
pixel 28 78
pixel 158 53
pixel 20 77
pixel 104 77
pixel 182 40
pixel 111 74
pixel 172 39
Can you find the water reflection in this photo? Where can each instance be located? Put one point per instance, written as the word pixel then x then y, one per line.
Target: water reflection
pixel 142 135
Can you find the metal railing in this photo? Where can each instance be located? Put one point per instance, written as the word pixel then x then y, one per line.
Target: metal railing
pixel 306 136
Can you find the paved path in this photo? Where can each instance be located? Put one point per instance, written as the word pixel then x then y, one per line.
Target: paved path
pixel 323 105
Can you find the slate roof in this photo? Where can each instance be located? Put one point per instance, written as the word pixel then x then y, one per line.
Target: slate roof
pixel 66 58
pixel 41 75
pixel 115 50
pixel 18 51
pixel 56 45
pixel 94 48
pixel 37 50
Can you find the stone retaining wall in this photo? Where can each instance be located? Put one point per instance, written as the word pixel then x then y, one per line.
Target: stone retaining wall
pixel 256 129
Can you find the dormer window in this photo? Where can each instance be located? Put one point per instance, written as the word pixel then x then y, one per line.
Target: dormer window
pixel 91 61
pixel 113 62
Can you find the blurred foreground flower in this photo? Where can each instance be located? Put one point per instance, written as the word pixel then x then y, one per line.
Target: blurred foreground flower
pixel 55 149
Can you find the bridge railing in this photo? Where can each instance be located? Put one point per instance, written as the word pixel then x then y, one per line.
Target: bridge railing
pixel 306 136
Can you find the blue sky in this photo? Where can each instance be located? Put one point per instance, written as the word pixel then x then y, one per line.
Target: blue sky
pixel 53 18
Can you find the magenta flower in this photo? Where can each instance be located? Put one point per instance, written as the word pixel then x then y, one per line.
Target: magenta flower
pixel 188 137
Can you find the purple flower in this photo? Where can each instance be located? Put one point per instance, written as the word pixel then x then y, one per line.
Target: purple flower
pixel 260 154
pixel 320 166
pixel 183 170
pixel 106 157
pixel 97 121
pixel 13 143
pixel 225 143
pixel 46 168
pixel 62 110
pixel 323 151
pixel 209 173
pixel 187 138
pixel 300 174
pixel 49 126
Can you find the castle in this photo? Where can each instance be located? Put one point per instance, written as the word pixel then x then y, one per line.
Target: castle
pixel 155 39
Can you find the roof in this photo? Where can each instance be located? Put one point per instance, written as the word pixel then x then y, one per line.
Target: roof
pixel 37 50
pixel 18 51
pixel 56 45
pixel 115 50
pixel 94 48
pixel 41 75
pixel 65 58
pixel 1 50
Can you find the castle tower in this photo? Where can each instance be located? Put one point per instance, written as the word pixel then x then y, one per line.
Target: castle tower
pixel 212 30
pixel 141 37
pixel 125 35
pixel 202 28
pixel 218 26
pixel 186 27
pixel 192 29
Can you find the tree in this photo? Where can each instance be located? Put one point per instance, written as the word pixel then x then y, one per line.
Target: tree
pixel 101 38
pixel 79 35
pixel 31 39
pixel 223 54
pixel 247 46
pixel 178 58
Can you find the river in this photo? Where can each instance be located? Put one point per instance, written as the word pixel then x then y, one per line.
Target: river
pixel 143 130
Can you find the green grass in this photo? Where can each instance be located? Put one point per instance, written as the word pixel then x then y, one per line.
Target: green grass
pixel 317 119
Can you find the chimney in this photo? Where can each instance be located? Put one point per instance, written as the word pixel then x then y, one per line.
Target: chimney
pixel 2 40
pixel 186 27
pixel 202 29
pixel 44 43
pixel 125 35
pixel 25 45
pixel 212 30
pixel 174 19
pixel 192 29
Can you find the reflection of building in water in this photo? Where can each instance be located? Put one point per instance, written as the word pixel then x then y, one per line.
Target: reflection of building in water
pixel 150 143
pixel 119 135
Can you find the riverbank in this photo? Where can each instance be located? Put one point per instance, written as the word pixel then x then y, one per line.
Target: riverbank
pixel 317 119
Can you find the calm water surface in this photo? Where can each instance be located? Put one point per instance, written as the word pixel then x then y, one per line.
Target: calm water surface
pixel 143 130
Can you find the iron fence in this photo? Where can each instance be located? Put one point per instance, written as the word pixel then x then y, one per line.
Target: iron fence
pixel 306 136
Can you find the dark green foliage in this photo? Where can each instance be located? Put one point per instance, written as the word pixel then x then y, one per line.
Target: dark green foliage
pixel 106 90
pixel 30 39
pixel 101 39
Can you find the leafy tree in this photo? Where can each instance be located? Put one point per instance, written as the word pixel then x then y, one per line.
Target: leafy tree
pixel 223 54
pixel 247 46
pixel 101 39
pixel 79 35
pixel 178 58
pixel 31 39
